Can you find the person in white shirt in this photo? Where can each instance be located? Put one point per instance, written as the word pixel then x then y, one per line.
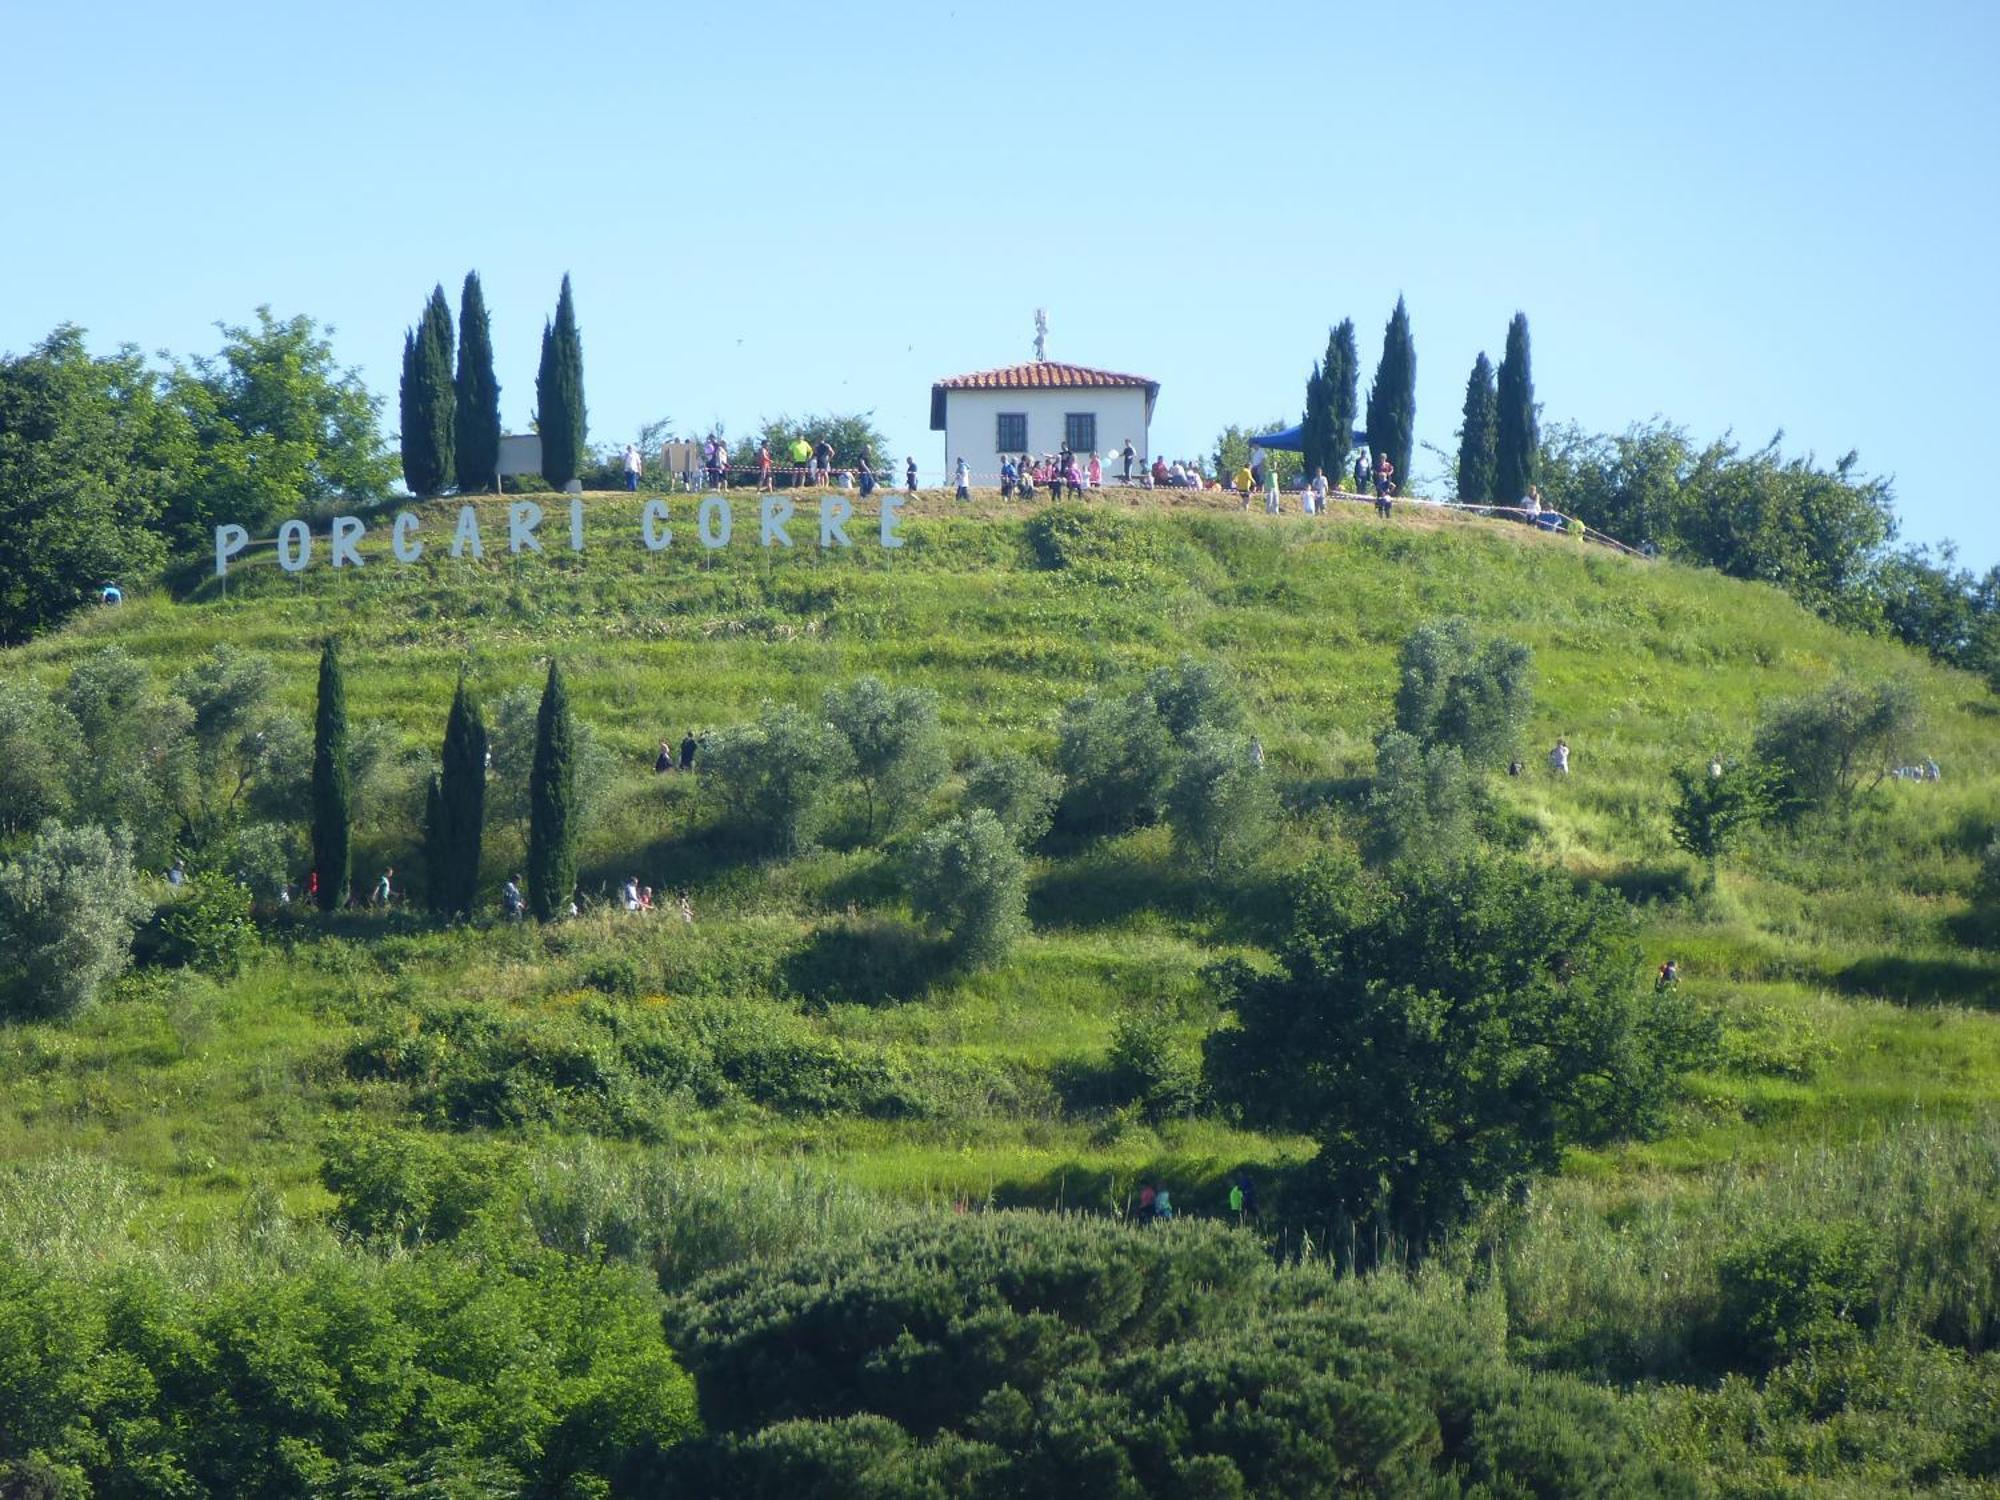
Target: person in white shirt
pixel 633 464
pixel 962 480
pixel 630 894
pixel 1559 758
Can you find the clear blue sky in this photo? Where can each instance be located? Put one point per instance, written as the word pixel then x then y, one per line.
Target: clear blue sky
pixel 1779 215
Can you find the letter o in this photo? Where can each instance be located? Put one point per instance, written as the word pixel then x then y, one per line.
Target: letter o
pixel 713 506
pixel 295 546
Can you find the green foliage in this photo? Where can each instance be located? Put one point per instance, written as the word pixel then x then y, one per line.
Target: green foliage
pixel 1194 695
pixel 1115 756
pixel 1018 790
pixel 852 435
pixel 37 742
pixel 968 879
pixel 461 808
pixel 1711 813
pixel 86 448
pixel 560 415
pixel 68 907
pixel 1314 426
pixel 1477 435
pixel 896 746
pixel 777 777
pixel 206 925
pixel 332 810
pixel 1445 1032
pixel 1454 690
pixel 1151 1066
pixel 248 757
pixel 552 818
pixel 1342 374
pixel 414 1188
pixel 1232 452
pixel 1219 803
pixel 137 771
pixel 1517 445
pixel 428 400
pixel 476 393
pixel 1822 751
pixel 1420 806
pixel 1804 1286
pixel 1392 398
pixel 511 737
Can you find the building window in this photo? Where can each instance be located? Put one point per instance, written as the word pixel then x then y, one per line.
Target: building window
pixel 1012 436
pixel 1080 431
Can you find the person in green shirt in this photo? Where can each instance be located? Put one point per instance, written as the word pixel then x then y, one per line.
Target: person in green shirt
pixel 802 452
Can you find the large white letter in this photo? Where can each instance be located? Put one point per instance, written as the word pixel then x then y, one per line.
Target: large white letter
pixel 346 532
pixel 891 522
pixel 406 550
pixel 295 546
pixel 467 534
pixel 523 516
pixel 576 526
pixel 713 506
pixel 229 540
pixel 653 525
pixel 833 513
pixel 772 515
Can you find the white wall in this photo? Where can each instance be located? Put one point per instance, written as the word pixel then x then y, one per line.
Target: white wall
pixel 970 425
pixel 520 453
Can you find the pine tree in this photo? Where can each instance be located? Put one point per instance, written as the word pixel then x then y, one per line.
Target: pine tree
pixel 552 804
pixel 1343 372
pixel 1475 437
pixel 476 446
pixel 559 408
pixel 461 807
pixel 427 401
pixel 1392 399
pixel 332 819
pixel 1516 446
pixel 1314 430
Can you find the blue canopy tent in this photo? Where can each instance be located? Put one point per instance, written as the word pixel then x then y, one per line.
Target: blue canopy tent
pixel 1291 440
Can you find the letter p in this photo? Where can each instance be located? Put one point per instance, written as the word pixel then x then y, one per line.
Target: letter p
pixel 229 540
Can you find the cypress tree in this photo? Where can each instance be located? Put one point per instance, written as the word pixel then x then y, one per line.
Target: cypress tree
pixel 1313 431
pixel 559 408
pixel 476 445
pixel 332 815
pixel 1516 445
pixel 461 806
pixel 1392 399
pixel 1343 371
pixel 1475 438
pixel 552 804
pixel 427 401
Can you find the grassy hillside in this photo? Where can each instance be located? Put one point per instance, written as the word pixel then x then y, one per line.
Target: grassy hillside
pixel 1852 1014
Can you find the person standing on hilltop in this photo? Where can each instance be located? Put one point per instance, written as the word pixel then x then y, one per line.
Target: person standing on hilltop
pixel 1128 454
pixel 764 481
pixel 962 480
pixel 633 465
pixel 1096 473
pixel 1360 473
pixel 802 456
pixel 825 455
pixel 1244 480
pixel 910 474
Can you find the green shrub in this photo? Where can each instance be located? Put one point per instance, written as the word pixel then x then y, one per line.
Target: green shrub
pixel 412 1187
pixel 68 908
pixel 1454 690
pixel 895 746
pixel 1823 751
pixel 206 925
pixel 37 738
pixel 1809 1285
pixel 1219 803
pixel 1421 803
pixel 776 777
pixel 1018 790
pixel 1194 695
pixel 968 880
pixel 1115 755
pixel 1149 1065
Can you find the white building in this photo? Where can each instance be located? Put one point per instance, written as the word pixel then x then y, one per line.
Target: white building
pixel 1033 408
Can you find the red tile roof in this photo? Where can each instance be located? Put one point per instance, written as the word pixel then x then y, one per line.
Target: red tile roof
pixel 1041 375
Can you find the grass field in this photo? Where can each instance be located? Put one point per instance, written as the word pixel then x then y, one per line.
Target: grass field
pixel 1852 1014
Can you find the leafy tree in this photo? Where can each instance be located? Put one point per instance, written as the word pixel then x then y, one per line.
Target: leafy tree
pixel 896 744
pixel 552 804
pixel 68 908
pixel 87 448
pixel 1445 1032
pixel 1822 750
pixel 333 813
pixel 279 426
pixel 461 807
pixel 560 415
pixel 777 775
pixel 428 400
pixel 1476 436
pixel 1232 452
pixel 1454 690
pixel 1219 803
pixel 137 770
pixel 1018 790
pixel 1115 755
pixel 1421 804
pixel 476 392
pixel 969 880
pixel 1392 399
pixel 245 753
pixel 1342 373
pixel 1192 695
pixel 207 925
pixel 37 746
pixel 511 737
pixel 1516 446
pixel 851 434
pixel 1711 812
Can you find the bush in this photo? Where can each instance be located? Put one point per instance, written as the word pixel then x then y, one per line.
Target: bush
pixel 1452 690
pixel 1018 790
pixel 1823 750
pixel 411 1187
pixel 1220 803
pixel 1421 803
pixel 1115 755
pixel 1799 1287
pixel 68 908
pixel 969 881
pixel 895 746
pixel 37 739
pixel 777 777
pixel 206 925
pixel 1149 1065
pixel 1192 695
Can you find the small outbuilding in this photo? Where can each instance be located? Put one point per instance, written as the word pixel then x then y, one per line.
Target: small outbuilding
pixel 1035 408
